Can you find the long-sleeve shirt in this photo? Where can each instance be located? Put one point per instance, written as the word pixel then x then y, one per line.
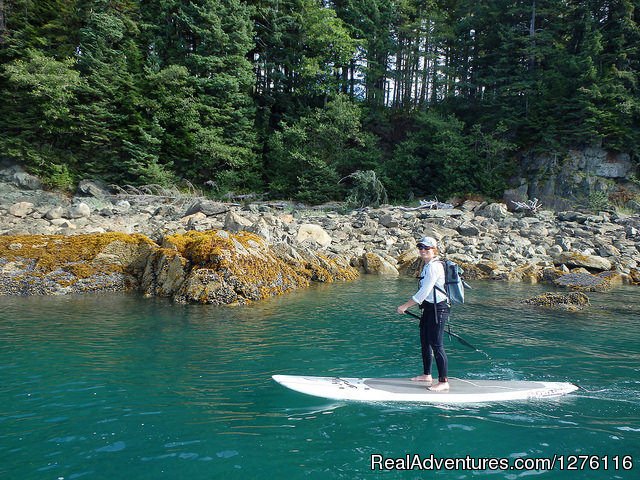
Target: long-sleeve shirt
pixel 432 274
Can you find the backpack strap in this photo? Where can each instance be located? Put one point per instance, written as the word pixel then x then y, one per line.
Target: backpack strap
pixel 435 287
pixel 435 307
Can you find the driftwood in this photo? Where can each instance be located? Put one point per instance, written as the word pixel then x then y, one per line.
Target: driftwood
pixel 429 205
pixel 531 205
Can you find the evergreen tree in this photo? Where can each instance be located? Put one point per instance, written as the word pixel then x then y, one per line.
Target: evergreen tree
pixel 615 93
pixel 441 158
pixel 37 121
pixel 200 81
pixel 116 141
pixel 38 83
pixel 147 91
pixel 309 157
pixel 300 49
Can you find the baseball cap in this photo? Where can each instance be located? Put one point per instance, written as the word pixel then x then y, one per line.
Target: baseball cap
pixel 428 242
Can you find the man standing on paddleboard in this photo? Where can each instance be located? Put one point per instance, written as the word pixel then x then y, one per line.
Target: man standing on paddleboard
pixel 435 313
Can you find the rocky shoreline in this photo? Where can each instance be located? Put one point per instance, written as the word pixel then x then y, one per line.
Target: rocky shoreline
pixel 571 249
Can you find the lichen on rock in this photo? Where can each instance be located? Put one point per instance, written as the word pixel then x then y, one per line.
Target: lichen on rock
pixel 219 267
pixel 56 264
pixel 576 259
pixel 572 302
pixel 584 281
pixel 206 267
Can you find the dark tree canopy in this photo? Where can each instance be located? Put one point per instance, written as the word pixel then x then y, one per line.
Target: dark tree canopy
pixel 291 97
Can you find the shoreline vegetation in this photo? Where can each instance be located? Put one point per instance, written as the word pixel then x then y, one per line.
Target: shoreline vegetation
pixel 298 98
pixel 193 249
pixel 315 102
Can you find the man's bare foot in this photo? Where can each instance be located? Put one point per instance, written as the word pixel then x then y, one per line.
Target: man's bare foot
pixel 440 387
pixel 423 378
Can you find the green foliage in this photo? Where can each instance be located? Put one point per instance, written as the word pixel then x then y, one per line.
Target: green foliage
pixel 366 189
pixel 300 45
pixel 198 87
pixel 255 94
pixel 433 160
pixel 36 110
pixel 441 158
pixel 58 177
pixel 308 157
pixel 493 162
pixel 598 200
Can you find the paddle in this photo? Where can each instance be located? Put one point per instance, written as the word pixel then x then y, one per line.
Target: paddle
pixel 458 337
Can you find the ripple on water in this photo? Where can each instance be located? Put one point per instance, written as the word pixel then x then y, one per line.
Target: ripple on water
pixel 96 387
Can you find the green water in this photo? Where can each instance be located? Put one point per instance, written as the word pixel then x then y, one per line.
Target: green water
pixel 126 387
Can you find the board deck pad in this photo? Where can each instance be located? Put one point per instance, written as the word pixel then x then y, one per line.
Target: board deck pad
pixel 406 390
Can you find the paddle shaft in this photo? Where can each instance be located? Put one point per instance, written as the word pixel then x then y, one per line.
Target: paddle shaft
pixel 458 337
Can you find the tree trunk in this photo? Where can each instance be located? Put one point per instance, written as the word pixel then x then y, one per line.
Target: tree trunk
pixel 532 36
pixel 3 22
pixel 352 78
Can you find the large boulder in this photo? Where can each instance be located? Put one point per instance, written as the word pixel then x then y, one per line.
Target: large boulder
pixel 377 265
pixel 584 281
pixel 81 210
pixel 93 188
pixel 208 207
pixel 233 222
pixel 218 267
pixel 54 213
pixel 576 259
pixel 496 211
pixel 571 302
pixel 21 209
pixel 309 232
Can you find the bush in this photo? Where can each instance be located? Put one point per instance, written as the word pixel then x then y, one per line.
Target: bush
pixel 308 157
pixel 367 190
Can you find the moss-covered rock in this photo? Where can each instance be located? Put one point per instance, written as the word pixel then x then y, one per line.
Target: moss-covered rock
pixel 207 267
pixel 377 265
pixel 56 264
pixel 218 267
pixel 572 302
pixel 584 281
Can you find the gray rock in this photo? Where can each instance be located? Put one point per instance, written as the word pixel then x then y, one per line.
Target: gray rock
pixel 54 213
pixel 208 207
pixel 537 232
pixel 261 228
pixel 62 223
pixel 313 233
pixel 235 222
pixel 93 188
pixel 123 205
pixel 389 221
pixel 468 229
pixel 568 216
pixel 555 250
pixel 21 209
pixel 441 213
pixel 27 181
pixel 576 259
pixel 81 210
pixel 495 211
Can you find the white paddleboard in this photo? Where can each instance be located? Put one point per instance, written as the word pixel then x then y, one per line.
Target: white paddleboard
pixel 406 390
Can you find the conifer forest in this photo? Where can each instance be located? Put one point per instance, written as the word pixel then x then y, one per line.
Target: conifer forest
pixel 305 99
